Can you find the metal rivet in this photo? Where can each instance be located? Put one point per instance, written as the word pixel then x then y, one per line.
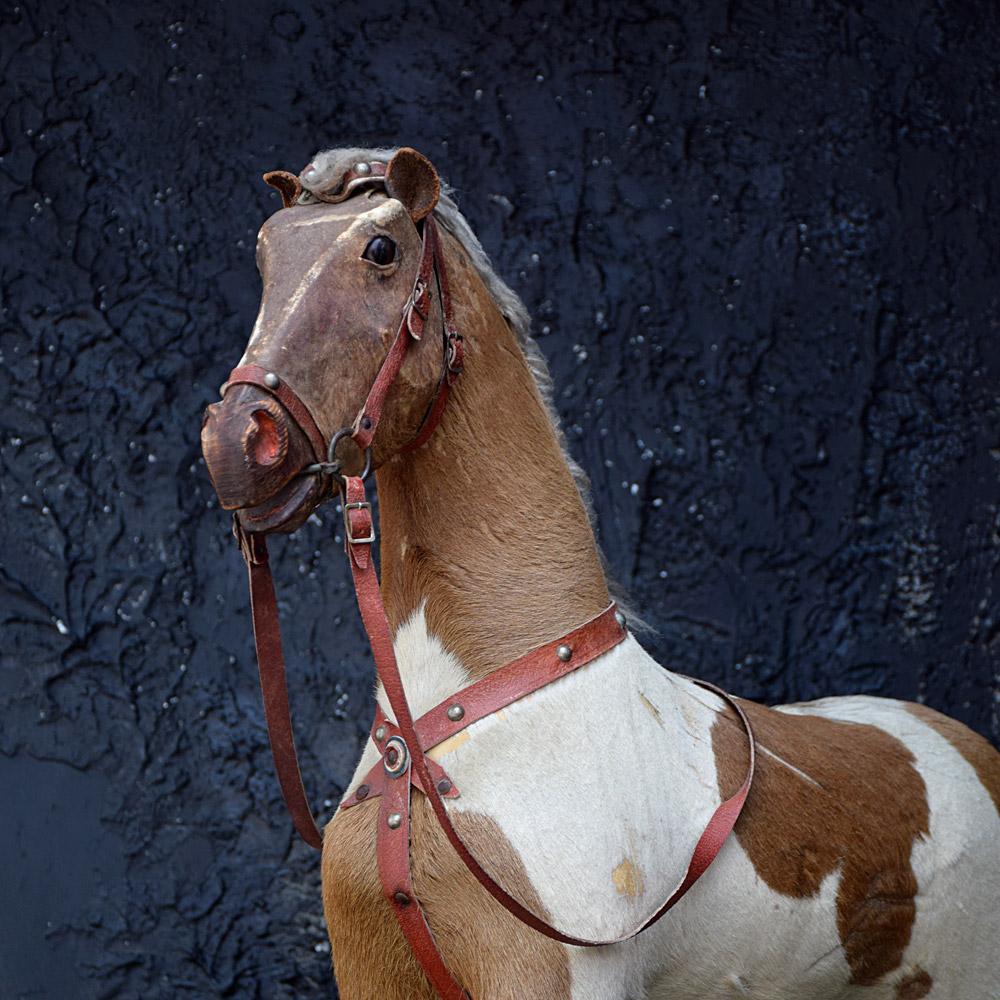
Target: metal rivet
pixel 456 713
pixel 395 821
pixel 380 734
pixel 391 757
pixel 366 423
pixel 402 899
pixel 444 786
pixel 564 653
pixel 271 380
pixel 362 792
pixel 363 168
pixel 620 618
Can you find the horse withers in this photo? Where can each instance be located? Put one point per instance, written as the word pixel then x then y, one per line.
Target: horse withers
pixel 866 861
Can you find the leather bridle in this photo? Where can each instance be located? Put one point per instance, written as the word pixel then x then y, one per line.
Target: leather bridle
pixel 404 744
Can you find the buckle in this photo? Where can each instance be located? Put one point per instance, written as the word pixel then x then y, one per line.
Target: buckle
pixel 360 505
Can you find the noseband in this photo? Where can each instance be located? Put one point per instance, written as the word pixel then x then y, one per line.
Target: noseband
pixel 403 744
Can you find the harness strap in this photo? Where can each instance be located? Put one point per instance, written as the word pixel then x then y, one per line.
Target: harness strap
pixel 273 686
pixel 289 399
pixel 411 327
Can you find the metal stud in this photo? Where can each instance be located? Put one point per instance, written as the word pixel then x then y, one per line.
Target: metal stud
pixel 363 168
pixel 620 618
pixel 444 786
pixel 395 821
pixel 564 653
pixel 380 734
pixel 402 898
pixel 271 380
pixel 362 792
pixel 456 713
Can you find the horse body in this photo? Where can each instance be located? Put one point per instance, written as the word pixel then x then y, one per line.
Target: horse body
pixel 867 860
pixel 600 785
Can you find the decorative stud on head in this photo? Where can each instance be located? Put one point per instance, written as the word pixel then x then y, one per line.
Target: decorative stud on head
pixel 402 898
pixel 271 380
pixel 363 169
pixel 456 713
pixel 380 734
pixel 564 653
pixel 394 821
pixel 620 618
pixel 444 786
pixel 362 792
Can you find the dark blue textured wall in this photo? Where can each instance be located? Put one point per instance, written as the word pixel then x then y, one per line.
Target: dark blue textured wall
pixel 761 244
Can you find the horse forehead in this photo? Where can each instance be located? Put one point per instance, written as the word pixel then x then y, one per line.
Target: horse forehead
pixel 298 235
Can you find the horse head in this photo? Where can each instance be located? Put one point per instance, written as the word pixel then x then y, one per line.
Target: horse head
pixel 340 265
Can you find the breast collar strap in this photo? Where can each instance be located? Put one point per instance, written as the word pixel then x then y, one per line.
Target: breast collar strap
pixel 403 744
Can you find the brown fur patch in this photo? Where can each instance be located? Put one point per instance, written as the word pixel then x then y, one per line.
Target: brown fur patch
pixel 490 952
pixel 862 811
pixel 914 986
pixel 977 751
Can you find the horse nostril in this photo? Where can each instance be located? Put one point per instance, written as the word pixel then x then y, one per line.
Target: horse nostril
pixel 266 440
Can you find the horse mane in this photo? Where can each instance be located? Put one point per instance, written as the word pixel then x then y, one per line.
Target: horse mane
pixel 330 166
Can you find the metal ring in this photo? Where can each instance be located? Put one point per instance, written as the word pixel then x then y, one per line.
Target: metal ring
pixel 331 467
pixel 331 453
pixel 396 748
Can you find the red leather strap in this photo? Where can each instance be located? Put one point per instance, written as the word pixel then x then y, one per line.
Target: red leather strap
pixel 289 399
pixel 454 351
pixel 393 850
pixel 273 686
pixel 374 781
pixel 411 327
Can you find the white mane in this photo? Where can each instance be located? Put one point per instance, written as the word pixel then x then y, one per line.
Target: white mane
pixel 330 166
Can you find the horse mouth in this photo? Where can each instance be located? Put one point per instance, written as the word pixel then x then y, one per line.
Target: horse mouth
pixel 287 509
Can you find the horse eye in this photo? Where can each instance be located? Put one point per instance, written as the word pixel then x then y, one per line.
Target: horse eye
pixel 380 250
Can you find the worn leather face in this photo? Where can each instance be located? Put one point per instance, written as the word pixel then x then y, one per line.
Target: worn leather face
pixel 328 315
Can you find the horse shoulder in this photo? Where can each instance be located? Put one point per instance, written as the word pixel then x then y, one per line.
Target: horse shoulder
pixel 489 951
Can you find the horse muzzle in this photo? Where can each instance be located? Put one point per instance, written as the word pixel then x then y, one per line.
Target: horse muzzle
pixel 256 452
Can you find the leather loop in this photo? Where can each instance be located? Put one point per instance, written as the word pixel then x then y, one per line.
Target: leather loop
pixel 289 399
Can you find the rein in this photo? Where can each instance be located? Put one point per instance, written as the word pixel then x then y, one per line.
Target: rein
pixel 404 744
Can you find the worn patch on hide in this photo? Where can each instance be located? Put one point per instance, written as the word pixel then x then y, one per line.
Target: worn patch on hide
pixel 984 760
pixel 627 879
pixel 861 812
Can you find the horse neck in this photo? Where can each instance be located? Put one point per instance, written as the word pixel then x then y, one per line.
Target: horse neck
pixel 484 527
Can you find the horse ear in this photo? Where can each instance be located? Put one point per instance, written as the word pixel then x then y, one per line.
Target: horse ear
pixel 412 179
pixel 287 184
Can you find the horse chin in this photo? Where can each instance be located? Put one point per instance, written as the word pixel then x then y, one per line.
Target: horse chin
pixel 286 510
